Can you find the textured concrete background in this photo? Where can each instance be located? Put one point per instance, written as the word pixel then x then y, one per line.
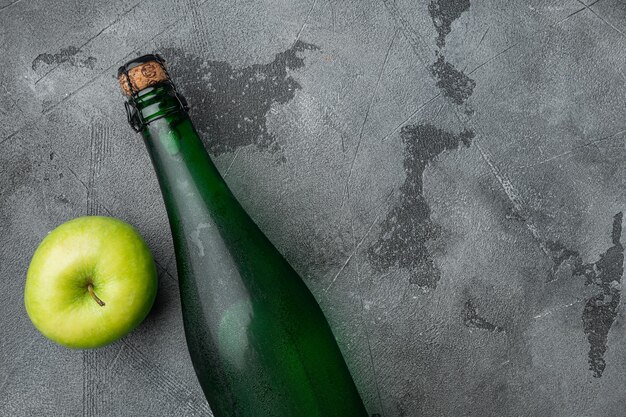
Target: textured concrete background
pixel 446 175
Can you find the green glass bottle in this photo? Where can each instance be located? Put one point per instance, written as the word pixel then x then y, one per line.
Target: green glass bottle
pixel 259 342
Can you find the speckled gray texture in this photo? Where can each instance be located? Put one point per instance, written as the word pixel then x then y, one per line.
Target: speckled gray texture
pixel 446 175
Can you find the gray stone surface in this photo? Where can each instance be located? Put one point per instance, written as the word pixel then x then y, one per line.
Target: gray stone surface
pixel 447 176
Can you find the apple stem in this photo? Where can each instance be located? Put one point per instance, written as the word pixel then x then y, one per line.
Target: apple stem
pixel 94 296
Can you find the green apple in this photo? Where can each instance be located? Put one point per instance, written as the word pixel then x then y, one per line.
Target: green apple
pixel 90 282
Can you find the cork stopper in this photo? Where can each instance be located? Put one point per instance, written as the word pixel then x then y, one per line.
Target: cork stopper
pixel 142 72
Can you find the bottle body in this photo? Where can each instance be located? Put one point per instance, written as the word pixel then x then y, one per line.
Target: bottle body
pixel 258 340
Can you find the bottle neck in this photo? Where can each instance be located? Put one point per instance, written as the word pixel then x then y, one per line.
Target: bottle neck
pixel 195 194
pixel 183 167
pixel 153 103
